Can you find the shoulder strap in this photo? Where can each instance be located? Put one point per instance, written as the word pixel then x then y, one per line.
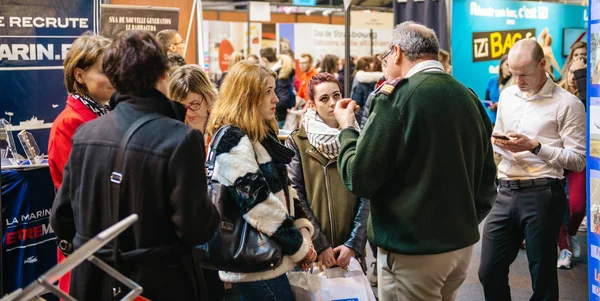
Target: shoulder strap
pixel 211 157
pixel 116 177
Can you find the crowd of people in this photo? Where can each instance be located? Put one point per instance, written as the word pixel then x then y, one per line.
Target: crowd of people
pixel 405 163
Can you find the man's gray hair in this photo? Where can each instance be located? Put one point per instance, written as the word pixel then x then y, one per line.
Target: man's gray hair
pixel 416 40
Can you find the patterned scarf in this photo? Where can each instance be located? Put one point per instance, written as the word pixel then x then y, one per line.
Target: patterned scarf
pixel 95 107
pixel 320 135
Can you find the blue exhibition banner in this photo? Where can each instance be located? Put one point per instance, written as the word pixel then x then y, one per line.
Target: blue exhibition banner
pixel 35 37
pixel 484 30
pixel 28 241
pixel 593 152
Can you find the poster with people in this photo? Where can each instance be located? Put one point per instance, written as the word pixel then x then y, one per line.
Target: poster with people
pixel 593 158
pixel 485 30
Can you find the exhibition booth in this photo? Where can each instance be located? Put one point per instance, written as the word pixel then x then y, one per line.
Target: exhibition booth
pixel 35 39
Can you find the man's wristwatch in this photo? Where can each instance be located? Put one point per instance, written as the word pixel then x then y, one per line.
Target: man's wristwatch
pixel 536 150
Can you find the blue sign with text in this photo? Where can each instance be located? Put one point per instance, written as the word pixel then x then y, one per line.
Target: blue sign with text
pixel 304 2
pixel 34 40
pixel 484 30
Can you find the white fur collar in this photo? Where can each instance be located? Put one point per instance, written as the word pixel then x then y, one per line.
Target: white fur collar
pixel 368 77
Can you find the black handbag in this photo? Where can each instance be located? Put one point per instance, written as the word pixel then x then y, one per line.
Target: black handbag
pixel 236 245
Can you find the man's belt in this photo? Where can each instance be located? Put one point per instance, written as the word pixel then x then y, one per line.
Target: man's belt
pixel 521 184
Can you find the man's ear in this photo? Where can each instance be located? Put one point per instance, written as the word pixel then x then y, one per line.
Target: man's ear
pixel 398 55
pixel 543 64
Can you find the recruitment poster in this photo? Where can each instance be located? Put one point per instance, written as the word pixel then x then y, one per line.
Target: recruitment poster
pixel 593 158
pixel 35 37
pixel 118 18
pixel 484 30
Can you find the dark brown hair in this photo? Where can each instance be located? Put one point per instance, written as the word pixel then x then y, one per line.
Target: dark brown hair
pixel 501 79
pixel 377 66
pixel 320 78
pixel 269 54
pixel 134 62
pixel 329 64
pixel 363 64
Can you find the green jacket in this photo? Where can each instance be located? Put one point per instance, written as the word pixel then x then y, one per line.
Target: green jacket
pixel 425 161
pixel 338 216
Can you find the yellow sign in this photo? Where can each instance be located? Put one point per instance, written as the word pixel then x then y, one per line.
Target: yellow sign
pixel 492 45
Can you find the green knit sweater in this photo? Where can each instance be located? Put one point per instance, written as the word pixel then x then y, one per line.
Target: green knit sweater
pixel 425 161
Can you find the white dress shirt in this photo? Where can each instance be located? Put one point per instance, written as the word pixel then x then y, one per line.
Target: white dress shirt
pixel 553 117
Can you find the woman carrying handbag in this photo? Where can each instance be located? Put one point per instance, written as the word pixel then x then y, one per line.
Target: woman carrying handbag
pixel 250 162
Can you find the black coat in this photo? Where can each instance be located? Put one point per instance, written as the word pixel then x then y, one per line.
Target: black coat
pixel 283 87
pixel 163 182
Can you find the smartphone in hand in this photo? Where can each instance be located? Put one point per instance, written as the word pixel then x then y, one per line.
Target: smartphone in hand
pixel 501 137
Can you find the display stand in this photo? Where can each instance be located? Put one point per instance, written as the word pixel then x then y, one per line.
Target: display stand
pixel 44 283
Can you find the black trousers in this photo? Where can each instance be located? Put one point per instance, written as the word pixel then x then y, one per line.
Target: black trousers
pixel 533 213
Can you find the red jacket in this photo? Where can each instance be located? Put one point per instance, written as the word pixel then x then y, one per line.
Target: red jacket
pixel 63 129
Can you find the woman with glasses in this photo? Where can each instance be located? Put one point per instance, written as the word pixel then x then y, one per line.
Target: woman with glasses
pixel 190 86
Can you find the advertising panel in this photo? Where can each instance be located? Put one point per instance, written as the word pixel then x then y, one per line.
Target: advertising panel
pixel 117 18
pixel 593 153
pixel 34 40
pixel 484 30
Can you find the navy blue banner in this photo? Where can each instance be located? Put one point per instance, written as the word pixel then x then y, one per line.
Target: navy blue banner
pixel 35 36
pixel 28 241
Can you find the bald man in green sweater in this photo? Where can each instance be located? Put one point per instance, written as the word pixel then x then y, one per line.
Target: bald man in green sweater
pixel 425 160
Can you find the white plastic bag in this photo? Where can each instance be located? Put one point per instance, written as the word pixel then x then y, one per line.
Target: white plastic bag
pixel 348 285
pixel 308 287
pixel 334 284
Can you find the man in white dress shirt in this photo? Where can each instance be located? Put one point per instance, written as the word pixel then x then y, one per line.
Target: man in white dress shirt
pixel 546 129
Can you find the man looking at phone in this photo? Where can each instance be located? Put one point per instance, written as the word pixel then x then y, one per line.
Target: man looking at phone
pixel 545 127
pixel 425 161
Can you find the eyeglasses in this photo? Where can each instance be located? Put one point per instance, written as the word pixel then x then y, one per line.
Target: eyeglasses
pixel 194 106
pixel 387 53
pixel 177 44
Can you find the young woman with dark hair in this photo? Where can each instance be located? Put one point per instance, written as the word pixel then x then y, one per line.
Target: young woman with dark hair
pixel 163 182
pixel 338 217
pixel 365 80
